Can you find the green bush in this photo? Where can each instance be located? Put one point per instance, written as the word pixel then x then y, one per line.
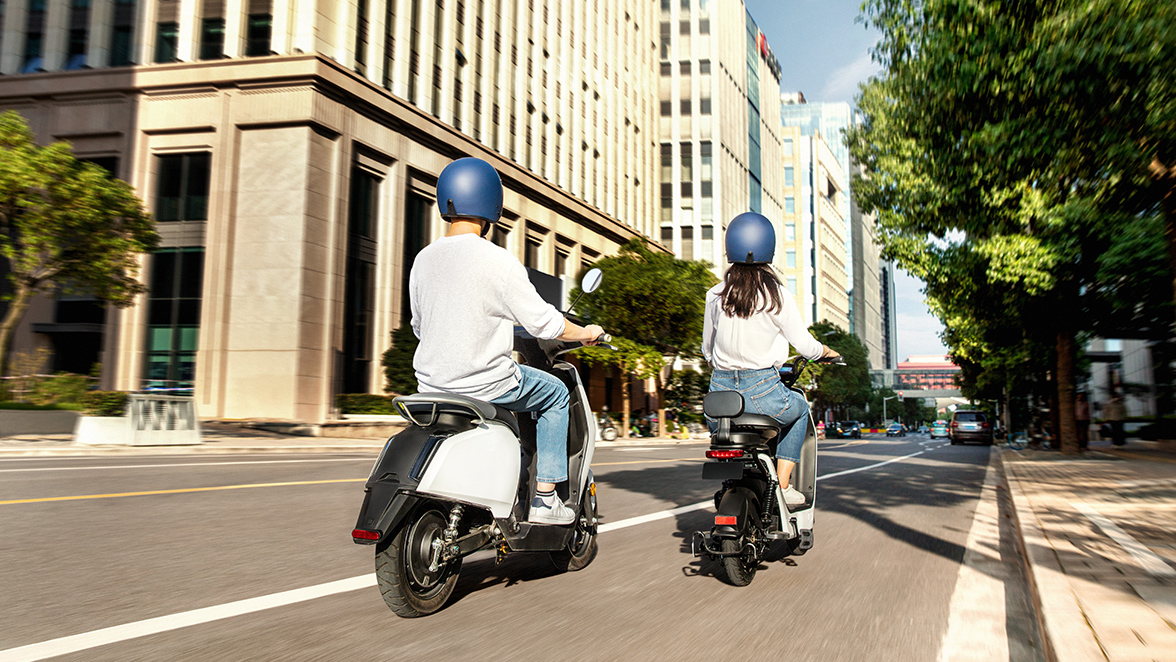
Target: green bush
pixel 364 403
pixel 399 376
pixel 105 403
pixel 64 387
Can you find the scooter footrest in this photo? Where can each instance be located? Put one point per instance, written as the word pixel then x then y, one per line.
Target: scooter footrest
pixel 777 535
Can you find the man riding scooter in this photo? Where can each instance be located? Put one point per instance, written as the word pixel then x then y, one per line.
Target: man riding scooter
pixel 466 295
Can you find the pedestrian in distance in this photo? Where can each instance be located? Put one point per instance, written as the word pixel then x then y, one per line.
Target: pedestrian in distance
pixel 750 321
pixel 1082 418
pixel 1114 414
pixel 466 295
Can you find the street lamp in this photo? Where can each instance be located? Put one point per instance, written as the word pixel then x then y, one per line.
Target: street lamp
pixel 893 397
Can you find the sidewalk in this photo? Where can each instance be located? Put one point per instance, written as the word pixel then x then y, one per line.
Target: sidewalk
pixel 223 439
pixel 1099 533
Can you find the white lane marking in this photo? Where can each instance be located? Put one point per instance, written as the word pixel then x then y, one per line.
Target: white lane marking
pixel 87 640
pixel 188 464
pixel 976 630
pixel 117 633
pixel 1149 560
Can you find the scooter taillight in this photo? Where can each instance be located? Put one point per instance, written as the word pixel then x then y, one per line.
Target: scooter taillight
pixel 726 520
pixel 723 455
pixel 364 534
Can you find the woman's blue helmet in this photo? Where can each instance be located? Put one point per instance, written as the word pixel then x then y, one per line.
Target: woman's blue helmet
pixel 470 188
pixel 751 239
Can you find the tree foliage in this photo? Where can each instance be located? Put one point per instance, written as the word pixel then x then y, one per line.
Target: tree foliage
pixel 399 375
pixel 64 224
pixel 840 388
pixel 653 304
pixel 1011 150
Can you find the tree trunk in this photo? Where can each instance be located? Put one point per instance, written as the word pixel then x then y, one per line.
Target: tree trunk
pixel 16 310
pixel 660 380
pixel 1065 427
pixel 625 377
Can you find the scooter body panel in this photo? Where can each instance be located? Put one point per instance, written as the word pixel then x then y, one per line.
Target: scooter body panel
pixel 479 467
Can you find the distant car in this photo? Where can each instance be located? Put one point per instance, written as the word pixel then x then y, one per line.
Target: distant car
pixel 923 429
pixel 847 430
pixel 969 425
pixel 895 430
pixel 938 429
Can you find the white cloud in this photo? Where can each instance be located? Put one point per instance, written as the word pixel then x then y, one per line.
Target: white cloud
pixel 842 84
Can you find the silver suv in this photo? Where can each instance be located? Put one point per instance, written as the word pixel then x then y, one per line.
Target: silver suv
pixel 968 425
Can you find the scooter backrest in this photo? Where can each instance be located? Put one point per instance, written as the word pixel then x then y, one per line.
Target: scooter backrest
pixel 722 404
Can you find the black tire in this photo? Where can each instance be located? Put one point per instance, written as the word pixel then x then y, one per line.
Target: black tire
pixel 608 434
pixel 402 567
pixel 582 547
pixel 741 569
pixel 954 442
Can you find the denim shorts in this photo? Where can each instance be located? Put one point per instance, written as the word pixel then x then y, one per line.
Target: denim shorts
pixel 763 393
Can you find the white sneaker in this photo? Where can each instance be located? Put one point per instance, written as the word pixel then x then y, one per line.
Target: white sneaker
pixel 793 497
pixel 550 510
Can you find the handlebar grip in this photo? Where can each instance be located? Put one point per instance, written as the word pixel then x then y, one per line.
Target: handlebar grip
pixel 604 337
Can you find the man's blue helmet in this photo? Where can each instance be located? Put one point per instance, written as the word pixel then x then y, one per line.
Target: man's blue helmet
pixel 469 188
pixel 751 239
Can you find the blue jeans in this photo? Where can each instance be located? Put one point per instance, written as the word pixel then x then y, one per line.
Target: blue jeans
pixel 763 393
pixel 541 392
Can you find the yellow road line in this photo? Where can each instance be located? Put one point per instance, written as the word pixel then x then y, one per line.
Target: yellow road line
pixel 241 487
pixel 191 489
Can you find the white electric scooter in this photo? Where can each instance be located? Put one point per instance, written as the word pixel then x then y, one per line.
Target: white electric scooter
pixel 460 479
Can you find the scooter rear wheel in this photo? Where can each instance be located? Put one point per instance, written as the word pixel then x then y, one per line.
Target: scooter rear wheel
pixel 740 569
pixel 410 588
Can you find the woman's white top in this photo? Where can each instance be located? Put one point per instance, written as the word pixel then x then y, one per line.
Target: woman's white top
pixel 760 341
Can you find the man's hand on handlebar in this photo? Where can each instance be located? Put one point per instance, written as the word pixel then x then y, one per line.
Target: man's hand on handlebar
pixel 596 334
pixel 589 335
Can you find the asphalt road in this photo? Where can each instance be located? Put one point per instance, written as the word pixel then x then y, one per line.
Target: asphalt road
pixel 878 584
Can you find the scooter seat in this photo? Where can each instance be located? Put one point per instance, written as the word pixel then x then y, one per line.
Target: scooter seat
pixel 755 423
pixel 422 409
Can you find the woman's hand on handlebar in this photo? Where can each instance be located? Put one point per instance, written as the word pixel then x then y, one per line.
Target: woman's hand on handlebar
pixel 828 354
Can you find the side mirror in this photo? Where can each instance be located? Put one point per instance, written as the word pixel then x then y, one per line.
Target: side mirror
pixel 591 281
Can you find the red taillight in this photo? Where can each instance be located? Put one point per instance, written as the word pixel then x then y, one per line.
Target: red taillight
pixel 954 424
pixel 364 534
pixel 984 425
pixel 724 455
pixel 725 520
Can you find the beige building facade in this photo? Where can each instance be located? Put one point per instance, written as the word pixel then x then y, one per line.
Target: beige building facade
pixel 289 152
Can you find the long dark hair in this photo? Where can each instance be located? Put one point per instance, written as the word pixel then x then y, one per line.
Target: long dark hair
pixel 750 288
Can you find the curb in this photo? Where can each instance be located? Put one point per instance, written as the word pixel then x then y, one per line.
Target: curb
pixel 1066 633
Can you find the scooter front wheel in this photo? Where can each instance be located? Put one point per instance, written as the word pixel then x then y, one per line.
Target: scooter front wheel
pixel 581 549
pixel 405 567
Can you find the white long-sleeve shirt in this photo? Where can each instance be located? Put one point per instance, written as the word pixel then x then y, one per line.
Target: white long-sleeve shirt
pixel 757 342
pixel 466 295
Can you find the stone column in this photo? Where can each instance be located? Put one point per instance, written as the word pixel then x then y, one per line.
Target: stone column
pixel 146 29
pixel 56 35
pixel 236 27
pixel 101 27
pixel 16 17
pixel 190 22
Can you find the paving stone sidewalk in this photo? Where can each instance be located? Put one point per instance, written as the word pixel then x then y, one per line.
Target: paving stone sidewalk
pixel 1100 536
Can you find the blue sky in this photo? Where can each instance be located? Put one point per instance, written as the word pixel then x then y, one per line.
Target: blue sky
pixel 825 53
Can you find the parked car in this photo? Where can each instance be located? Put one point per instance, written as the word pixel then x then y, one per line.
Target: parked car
pixel 969 425
pixel 847 430
pixel 923 429
pixel 938 429
pixel 895 430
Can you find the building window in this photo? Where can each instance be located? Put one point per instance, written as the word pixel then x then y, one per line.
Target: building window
pixel 685 106
pixel 120 45
pixel 704 105
pixel 789 232
pixel 389 41
pixel 417 217
pixel 167 37
pixel 666 68
pixel 212 39
pixel 361 36
pixel 173 318
pixel 787 147
pixel 687 243
pixel 667 236
pixel 359 288
pixel 790 259
pixel 792 284
pixel 257 35
pixel 531 253
pixel 667 201
pixel 704 26
pixel 182 187
pixel 684 68
pixel 704 67
pixel 789 204
pixel 789 179
pixel 667 108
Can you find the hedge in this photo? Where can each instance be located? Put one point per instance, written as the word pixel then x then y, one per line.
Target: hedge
pixel 364 403
pixel 104 403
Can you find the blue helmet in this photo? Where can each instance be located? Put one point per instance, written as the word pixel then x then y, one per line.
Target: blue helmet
pixel 470 188
pixel 751 239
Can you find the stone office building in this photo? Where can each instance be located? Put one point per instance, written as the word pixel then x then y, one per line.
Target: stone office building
pixel 289 151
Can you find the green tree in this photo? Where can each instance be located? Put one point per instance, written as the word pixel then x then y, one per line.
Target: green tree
pixel 64 224
pixel 655 300
pixel 840 388
pixel 1007 145
pixel 399 375
pixel 631 359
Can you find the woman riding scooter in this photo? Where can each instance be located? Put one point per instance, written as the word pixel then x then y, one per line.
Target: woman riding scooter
pixel 751 319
